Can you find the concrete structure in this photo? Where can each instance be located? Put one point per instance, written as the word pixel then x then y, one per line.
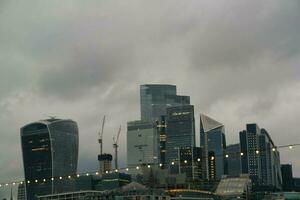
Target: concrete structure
pixel 50 149
pixel 142 144
pixel 212 140
pixel 105 162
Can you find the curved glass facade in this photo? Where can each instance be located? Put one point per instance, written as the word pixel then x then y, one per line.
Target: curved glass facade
pixel 50 149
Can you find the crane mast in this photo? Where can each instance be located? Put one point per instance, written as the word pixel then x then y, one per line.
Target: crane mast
pixel 100 133
pixel 115 146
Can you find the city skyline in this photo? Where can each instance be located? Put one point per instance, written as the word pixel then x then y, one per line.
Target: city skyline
pixel 236 68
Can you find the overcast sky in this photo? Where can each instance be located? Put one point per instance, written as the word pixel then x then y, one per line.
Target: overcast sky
pixel 238 60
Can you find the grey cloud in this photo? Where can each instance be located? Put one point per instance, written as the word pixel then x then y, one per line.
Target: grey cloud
pixel 81 60
pixel 242 33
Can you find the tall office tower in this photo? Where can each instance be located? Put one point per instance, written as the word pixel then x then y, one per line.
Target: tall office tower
pixel 50 149
pixel 180 131
pixel 162 132
pixel 212 139
pixel 287 177
pixel 142 143
pixel 191 162
pixel 250 150
pixel 155 98
pixel 260 158
pixel 270 162
pixel 234 159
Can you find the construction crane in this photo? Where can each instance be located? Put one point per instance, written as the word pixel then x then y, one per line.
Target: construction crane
pixel 115 146
pixel 100 133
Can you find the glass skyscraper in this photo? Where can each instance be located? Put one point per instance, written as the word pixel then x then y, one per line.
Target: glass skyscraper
pixel 260 158
pixel 155 98
pixel 212 139
pixel 50 150
pixel 180 131
pixel 234 159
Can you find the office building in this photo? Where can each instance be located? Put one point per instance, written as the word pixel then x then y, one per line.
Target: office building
pixel 260 158
pixel 191 162
pixel 180 131
pixel 212 140
pixel 234 160
pixel 142 143
pixel 156 98
pixel 287 177
pixel 161 126
pixel 50 150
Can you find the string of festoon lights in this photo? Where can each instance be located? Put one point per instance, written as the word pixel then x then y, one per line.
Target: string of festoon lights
pixel 71 177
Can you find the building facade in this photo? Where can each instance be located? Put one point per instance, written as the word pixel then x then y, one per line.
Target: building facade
pixel 142 143
pixel 191 162
pixel 156 98
pixel 234 160
pixel 50 150
pixel 212 140
pixel 287 177
pixel 260 158
pixel 180 131
pixel 161 126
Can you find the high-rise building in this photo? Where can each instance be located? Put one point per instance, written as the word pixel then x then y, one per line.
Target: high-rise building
pixel 162 132
pixel 234 159
pixel 142 143
pixel 260 158
pixel 155 98
pixel 50 150
pixel 191 162
pixel 287 177
pixel 180 131
pixel 212 140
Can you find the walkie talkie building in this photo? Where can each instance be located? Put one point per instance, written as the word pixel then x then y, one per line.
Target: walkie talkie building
pixel 50 150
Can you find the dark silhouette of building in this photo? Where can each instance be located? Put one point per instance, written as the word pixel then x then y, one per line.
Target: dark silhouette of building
pixel 234 159
pixel 50 151
pixel 191 162
pixel 260 158
pixel 287 177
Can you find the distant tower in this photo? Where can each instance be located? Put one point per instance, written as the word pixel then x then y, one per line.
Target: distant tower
pixel 105 162
pixel 50 150
pixel 103 158
pixel 212 139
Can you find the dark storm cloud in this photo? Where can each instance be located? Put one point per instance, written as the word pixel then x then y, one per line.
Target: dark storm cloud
pixel 239 61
